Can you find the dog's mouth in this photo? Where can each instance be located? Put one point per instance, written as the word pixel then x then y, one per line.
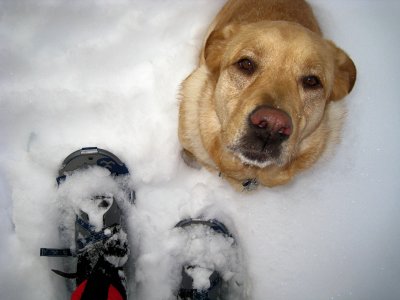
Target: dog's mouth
pixel 264 142
pixel 257 154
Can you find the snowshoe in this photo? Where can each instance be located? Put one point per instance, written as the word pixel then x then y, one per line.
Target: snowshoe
pixel 201 279
pixel 100 243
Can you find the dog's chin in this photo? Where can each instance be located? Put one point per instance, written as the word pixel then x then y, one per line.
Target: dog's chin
pixel 255 158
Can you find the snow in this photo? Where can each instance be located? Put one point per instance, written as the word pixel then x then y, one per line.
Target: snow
pixel 161 264
pixel 202 247
pixel 200 277
pixel 107 73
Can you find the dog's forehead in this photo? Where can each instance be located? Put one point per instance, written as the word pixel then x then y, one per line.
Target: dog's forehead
pixel 278 38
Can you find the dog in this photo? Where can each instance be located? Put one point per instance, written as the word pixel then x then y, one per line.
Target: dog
pixel 263 103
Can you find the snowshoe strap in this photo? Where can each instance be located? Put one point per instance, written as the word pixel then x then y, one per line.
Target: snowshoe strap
pixel 85 225
pixel 94 236
pixel 66 275
pixel 56 252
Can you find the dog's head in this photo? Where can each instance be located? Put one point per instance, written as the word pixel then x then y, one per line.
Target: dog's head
pixel 273 82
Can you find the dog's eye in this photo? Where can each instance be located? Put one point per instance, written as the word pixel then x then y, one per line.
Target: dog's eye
pixel 246 65
pixel 311 82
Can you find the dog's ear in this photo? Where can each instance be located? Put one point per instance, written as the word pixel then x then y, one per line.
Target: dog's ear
pixel 215 47
pixel 345 74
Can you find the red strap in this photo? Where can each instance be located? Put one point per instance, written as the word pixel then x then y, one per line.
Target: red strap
pixel 113 294
pixel 77 294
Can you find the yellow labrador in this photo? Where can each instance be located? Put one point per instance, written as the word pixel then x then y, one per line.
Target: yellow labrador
pixel 263 103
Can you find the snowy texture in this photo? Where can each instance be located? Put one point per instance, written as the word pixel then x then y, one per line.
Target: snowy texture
pixel 107 74
pixel 79 192
pixel 201 277
pixel 202 247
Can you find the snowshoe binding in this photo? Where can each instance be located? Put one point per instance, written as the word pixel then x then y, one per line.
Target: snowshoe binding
pixel 204 275
pixel 99 241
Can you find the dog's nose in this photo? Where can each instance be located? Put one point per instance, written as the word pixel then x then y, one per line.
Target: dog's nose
pixel 275 123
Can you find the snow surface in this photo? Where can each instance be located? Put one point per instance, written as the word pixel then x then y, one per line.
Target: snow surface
pixel 106 73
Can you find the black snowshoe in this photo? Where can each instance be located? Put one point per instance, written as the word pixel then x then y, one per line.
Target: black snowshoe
pixel 100 243
pixel 213 287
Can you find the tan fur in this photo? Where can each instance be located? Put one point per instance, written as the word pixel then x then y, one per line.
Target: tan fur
pixel 285 41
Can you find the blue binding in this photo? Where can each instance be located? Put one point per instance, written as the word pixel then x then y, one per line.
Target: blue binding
pixel 93 237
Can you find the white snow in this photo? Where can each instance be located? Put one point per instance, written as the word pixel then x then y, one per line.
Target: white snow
pixel 107 73
pixel 201 247
pixel 200 277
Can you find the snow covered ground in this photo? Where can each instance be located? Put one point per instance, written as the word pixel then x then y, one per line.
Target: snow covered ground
pixel 106 73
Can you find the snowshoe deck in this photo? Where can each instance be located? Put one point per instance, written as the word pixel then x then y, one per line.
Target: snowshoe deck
pixel 188 289
pixel 104 248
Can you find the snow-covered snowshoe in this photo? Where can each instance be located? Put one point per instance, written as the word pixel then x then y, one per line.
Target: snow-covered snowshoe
pixel 100 243
pixel 202 282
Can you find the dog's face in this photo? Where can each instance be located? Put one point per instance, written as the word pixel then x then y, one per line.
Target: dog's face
pixel 273 82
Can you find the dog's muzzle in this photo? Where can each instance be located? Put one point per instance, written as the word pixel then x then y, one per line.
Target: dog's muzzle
pixel 267 129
